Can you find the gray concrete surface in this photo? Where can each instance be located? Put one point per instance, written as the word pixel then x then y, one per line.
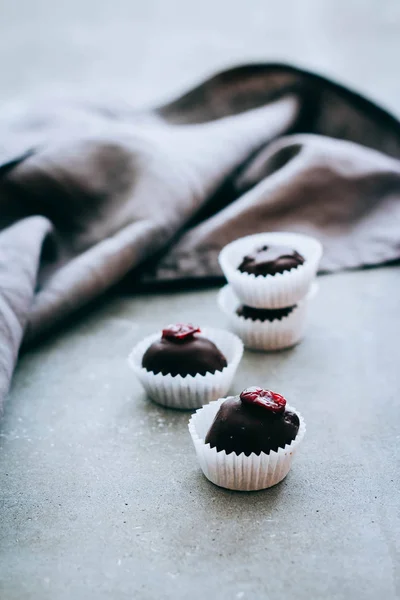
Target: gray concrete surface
pixel 101 496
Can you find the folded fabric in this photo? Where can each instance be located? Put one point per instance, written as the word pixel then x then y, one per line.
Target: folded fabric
pixel 91 193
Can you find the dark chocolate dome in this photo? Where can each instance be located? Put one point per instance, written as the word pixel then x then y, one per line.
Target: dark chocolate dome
pixel 189 355
pixel 249 428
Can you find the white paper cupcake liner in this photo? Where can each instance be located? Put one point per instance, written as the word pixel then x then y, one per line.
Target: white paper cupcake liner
pixel 240 472
pixel 271 291
pixel 189 392
pixel 266 335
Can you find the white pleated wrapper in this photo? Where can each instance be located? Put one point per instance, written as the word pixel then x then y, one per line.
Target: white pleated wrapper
pixel 271 291
pixel 189 392
pixel 266 335
pixel 240 472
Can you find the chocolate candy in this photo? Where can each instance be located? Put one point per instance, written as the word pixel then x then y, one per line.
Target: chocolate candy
pixel 263 314
pixel 181 351
pixel 269 260
pixel 254 422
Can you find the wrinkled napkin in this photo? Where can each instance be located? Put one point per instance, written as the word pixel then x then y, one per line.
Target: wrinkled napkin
pixel 90 193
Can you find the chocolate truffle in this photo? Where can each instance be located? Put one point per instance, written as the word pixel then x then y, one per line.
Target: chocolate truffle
pixel 263 314
pixel 269 260
pixel 254 422
pixel 180 351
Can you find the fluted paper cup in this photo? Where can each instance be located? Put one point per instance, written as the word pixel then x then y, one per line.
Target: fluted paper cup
pixel 189 392
pixel 266 335
pixel 240 472
pixel 271 291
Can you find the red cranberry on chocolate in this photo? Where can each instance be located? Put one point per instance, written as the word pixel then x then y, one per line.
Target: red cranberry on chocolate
pixel 179 332
pixel 271 401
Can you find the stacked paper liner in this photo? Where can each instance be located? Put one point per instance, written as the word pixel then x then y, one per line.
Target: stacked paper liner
pixel 189 392
pixel 271 291
pixel 282 290
pixel 240 472
pixel 266 335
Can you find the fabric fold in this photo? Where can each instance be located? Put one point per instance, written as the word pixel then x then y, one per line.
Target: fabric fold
pixel 21 248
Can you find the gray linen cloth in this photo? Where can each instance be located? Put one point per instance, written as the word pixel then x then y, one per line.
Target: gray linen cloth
pixel 92 193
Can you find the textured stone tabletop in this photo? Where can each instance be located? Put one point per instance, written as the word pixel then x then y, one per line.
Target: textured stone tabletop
pixel 103 497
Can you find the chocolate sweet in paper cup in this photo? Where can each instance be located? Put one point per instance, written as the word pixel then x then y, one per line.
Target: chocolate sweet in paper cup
pixel 272 329
pixel 242 472
pixel 277 290
pixel 190 391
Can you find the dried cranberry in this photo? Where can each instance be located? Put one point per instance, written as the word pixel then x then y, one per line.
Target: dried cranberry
pixel 179 332
pixel 270 400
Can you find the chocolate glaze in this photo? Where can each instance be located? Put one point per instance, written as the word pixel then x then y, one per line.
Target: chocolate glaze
pixel 240 427
pixel 264 314
pixel 269 260
pixel 189 356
